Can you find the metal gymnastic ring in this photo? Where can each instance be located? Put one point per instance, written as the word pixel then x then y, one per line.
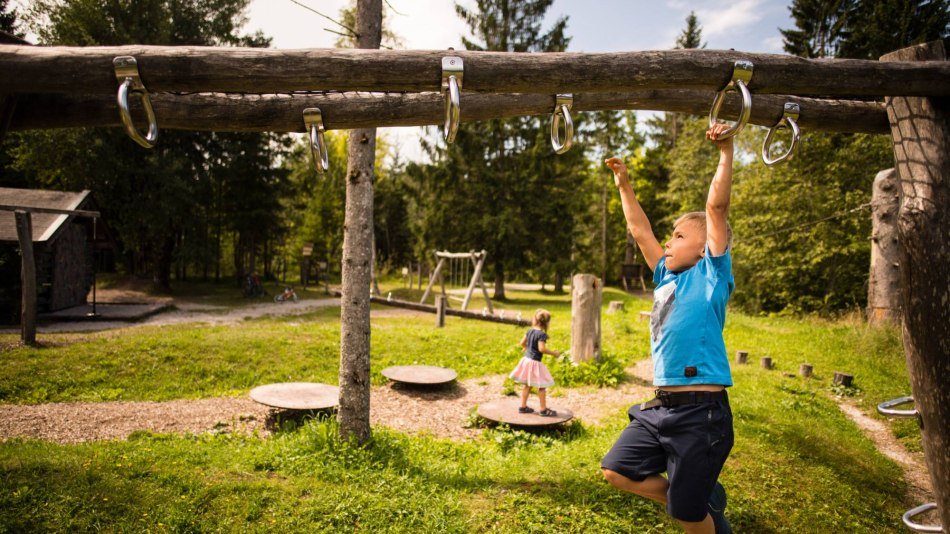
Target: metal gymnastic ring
pixel 452 77
pixel 789 119
pixel 126 71
pixel 313 119
pixel 562 108
pixel 908 516
pixel 887 408
pixel 741 75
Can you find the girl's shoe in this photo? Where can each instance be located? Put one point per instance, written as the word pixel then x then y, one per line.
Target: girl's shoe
pixel 547 412
pixel 525 409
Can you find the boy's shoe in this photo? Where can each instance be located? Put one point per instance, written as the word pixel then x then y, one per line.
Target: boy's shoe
pixel 717 509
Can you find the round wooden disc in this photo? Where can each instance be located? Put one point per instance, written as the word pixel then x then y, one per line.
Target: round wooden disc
pixel 297 395
pixel 506 411
pixel 420 374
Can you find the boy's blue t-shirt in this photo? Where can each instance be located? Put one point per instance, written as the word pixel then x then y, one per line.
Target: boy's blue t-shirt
pixel 689 311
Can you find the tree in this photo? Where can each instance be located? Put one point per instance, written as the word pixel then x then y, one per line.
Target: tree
pixel 8 20
pixel 353 412
pixel 876 27
pixel 821 26
pixel 692 35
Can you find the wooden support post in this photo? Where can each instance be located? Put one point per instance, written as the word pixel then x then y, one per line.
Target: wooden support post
pixel 742 357
pixel 435 274
pixel 440 301
pixel 920 128
pixel 884 277
pixel 585 318
pixel 24 231
pixel 805 370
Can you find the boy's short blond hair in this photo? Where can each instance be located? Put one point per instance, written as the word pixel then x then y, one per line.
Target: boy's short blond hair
pixel 699 219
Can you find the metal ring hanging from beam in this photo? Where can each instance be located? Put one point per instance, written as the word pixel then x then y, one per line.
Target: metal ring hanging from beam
pixel 313 120
pixel 452 73
pixel 741 75
pixel 909 515
pixel 789 120
pixel 562 107
pixel 887 408
pixel 127 73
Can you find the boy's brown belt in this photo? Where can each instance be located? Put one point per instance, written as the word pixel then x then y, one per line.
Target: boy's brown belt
pixel 681 398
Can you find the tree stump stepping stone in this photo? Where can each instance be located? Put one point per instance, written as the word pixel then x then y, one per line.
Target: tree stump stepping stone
pixel 297 396
pixel 506 411
pixel 420 375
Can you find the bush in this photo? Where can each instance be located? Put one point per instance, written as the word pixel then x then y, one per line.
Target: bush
pixel 605 372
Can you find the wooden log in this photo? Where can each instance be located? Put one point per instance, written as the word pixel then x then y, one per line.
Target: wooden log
pixel 24 230
pixel 615 306
pixel 440 306
pixel 842 379
pixel 428 308
pixel 644 315
pixel 766 362
pixel 585 318
pixel 921 134
pixel 884 276
pixel 58 69
pixel 284 112
pixel 742 357
pixel 805 370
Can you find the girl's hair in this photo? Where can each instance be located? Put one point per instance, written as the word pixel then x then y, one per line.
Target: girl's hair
pixel 699 218
pixel 541 318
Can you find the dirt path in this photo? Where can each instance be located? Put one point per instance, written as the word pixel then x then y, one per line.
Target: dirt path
pixel 441 413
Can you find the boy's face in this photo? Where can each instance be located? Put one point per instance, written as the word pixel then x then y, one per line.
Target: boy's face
pixel 686 246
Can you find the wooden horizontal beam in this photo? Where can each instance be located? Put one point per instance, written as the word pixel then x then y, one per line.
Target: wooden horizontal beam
pixel 448 311
pixel 56 69
pixel 284 113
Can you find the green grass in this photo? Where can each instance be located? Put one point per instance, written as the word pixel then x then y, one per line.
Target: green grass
pixel 799 465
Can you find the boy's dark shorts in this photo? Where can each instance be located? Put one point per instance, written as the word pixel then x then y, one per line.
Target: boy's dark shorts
pixel 689 442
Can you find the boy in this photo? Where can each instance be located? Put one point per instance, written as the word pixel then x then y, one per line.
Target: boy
pixel 687 429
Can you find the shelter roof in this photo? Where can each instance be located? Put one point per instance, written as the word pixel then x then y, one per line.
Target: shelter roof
pixel 45 225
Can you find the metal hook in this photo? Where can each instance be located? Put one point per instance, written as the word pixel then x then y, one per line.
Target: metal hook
pixel 452 73
pixel 908 516
pixel 127 73
pixel 313 120
pixel 562 107
pixel 741 75
pixel 789 119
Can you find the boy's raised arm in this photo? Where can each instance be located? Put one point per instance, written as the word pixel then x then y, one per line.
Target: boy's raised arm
pixel 637 221
pixel 717 204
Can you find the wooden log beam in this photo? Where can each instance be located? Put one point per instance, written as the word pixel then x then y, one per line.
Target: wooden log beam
pixel 58 69
pixel 284 112
pixel 921 135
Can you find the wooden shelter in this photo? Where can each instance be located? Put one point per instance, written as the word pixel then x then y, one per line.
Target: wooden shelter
pixel 64 246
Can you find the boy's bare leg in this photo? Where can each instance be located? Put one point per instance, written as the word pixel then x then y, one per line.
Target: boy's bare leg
pixel 524 395
pixel 543 398
pixel 654 487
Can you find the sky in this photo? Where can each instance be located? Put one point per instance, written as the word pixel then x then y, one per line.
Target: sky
pixel 593 25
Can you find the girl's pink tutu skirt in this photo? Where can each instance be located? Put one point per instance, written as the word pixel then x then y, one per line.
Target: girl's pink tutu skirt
pixel 532 373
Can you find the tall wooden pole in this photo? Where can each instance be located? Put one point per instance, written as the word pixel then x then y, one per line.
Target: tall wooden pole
pixel 358 255
pixel 921 132
pixel 24 230
pixel 884 279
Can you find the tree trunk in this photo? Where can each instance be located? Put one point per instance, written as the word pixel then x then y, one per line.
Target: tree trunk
pixel 585 318
pixel 354 383
pixel 921 132
pixel 884 279
pixel 499 281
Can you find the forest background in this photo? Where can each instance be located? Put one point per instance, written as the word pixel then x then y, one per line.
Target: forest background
pixel 217 206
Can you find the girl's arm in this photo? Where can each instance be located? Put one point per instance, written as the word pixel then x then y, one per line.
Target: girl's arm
pixel 543 349
pixel 717 204
pixel 637 221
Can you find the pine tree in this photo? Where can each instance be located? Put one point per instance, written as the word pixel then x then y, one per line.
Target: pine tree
pixel 821 26
pixel 876 27
pixel 8 19
pixel 692 35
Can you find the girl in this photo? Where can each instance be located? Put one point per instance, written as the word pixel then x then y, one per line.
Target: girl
pixel 530 371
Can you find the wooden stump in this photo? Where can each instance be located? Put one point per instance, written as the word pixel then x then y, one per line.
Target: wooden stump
pixel 420 375
pixel 506 411
pixel 615 306
pixel 585 318
pixel 644 315
pixel 742 357
pixel 805 370
pixel 842 379
pixel 766 362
